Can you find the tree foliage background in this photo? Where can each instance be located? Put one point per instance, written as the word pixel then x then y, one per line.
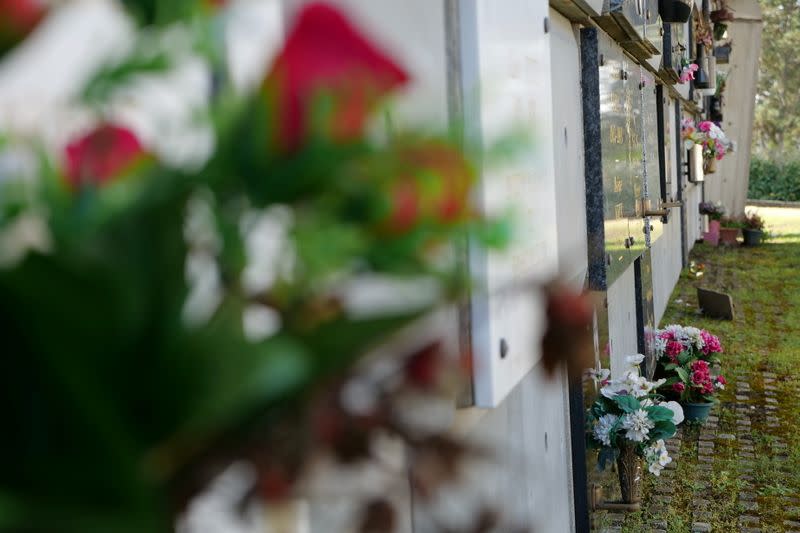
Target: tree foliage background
pixel 777 115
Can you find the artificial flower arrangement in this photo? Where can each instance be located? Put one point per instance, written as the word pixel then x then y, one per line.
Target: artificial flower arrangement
pixel 630 416
pixel 690 359
pixel 687 72
pixel 707 134
pixel 714 210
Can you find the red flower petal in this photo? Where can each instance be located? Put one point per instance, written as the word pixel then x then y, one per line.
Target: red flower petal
pixel 17 19
pixel 325 55
pixel 104 153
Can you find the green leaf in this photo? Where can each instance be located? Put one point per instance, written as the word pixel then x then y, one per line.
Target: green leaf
pixel 658 413
pixel 684 357
pixel 670 366
pixel 662 430
pixel 683 374
pixel 627 403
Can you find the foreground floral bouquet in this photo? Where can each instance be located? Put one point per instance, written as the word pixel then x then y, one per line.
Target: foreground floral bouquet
pixel 687 354
pixel 628 416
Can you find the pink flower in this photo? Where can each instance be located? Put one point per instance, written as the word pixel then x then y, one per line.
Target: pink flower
pixel 711 343
pixel 678 387
pixel 673 348
pixel 722 380
pixel 700 366
pixel 667 335
pixel 705 126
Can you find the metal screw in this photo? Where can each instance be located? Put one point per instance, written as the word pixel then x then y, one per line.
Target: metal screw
pixel 503 348
pixel 602 60
pixel 608 259
pixel 627 243
pixel 547 24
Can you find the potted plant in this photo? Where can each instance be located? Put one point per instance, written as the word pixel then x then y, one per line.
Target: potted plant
pixel 714 212
pixel 686 358
pixel 629 422
pixel 719 17
pixel 729 230
pixel 753 229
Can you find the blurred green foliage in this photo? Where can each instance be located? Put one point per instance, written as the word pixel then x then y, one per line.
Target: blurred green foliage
pixel 774 180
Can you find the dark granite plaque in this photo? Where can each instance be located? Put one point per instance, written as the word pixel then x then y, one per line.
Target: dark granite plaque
pixel 645 312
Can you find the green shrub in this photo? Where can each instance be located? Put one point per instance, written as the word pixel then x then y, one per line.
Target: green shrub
pixel 773 180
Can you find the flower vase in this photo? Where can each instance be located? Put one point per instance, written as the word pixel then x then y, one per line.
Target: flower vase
pixel 709 165
pixel 629 468
pixel 712 235
pixel 728 236
pixel 696 412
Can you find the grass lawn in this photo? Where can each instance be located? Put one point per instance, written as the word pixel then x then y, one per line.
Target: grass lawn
pixel 753 483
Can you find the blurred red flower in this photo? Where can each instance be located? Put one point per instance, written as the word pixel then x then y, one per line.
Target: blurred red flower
pixel 104 153
pixel 17 19
pixel 325 56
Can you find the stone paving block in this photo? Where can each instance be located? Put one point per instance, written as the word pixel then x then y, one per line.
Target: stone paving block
pixel 726 436
pixel 791 523
pixel 749 520
pixel 616 519
pixel 747 496
pixel 705 444
pixel 659 524
pixel 749 506
pixel 701 527
pixel 749 530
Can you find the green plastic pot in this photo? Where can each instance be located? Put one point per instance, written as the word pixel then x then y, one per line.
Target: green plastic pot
pixel 696 412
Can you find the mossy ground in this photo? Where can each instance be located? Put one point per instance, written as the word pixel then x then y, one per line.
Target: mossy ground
pixel 764 336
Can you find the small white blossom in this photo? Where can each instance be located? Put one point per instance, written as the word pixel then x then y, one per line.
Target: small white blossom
pixel 634 360
pixel 637 424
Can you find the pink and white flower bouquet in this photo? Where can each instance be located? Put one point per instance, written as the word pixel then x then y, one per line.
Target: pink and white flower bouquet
pixel 707 134
pixel 629 412
pixel 690 361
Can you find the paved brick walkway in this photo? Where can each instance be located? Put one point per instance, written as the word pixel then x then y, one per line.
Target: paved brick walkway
pixel 724 443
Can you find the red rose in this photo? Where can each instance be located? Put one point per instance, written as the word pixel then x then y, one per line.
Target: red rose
pixel 678 387
pixel 17 19
pixel 324 55
pixel 104 153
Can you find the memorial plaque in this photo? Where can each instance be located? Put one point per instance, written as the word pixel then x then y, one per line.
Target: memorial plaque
pixel 639 20
pixel 507 322
pixel 652 149
pixel 617 108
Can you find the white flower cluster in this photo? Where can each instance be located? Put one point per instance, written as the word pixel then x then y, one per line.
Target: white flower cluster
pixel 657 457
pixel 688 336
pixel 637 425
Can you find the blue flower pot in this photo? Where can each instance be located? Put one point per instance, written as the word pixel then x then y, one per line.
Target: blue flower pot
pixel 696 412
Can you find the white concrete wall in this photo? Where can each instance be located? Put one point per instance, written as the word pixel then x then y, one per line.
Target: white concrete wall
pixel 568 149
pixel 730 182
